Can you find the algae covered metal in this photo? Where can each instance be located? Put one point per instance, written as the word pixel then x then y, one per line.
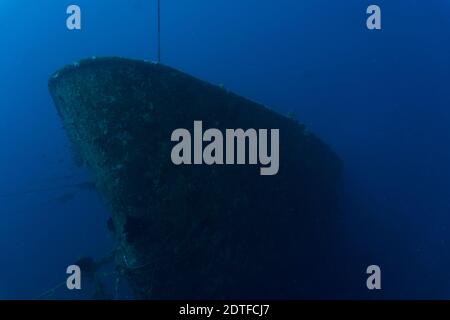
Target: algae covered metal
pixel 197 231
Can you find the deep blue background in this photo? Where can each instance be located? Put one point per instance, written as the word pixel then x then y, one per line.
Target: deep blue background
pixel 380 98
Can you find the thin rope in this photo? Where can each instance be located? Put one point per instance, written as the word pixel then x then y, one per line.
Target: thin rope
pixel 159 31
pixel 49 293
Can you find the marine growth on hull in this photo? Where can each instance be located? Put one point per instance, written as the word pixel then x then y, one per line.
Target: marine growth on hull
pixel 200 230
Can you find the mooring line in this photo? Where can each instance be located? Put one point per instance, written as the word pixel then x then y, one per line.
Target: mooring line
pixel 159 31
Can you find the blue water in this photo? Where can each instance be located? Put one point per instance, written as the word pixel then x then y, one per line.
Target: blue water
pixel 380 98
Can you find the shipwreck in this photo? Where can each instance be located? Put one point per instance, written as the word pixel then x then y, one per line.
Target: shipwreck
pixel 198 231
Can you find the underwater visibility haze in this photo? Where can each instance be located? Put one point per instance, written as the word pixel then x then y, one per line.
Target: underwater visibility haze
pixel 86 118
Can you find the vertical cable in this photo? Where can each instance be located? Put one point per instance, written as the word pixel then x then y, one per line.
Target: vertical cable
pixel 159 31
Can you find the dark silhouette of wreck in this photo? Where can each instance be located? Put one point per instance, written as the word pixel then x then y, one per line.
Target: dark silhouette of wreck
pixel 197 231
